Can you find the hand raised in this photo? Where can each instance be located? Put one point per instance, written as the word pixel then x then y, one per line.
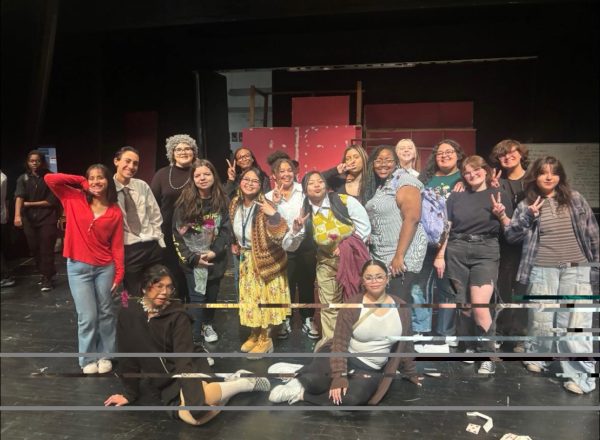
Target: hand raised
pixel 231 170
pixel 342 168
pixel 266 208
pixel 495 182
pixel 498 209
pixel 535 207
pixel 278 194
pixel 299 223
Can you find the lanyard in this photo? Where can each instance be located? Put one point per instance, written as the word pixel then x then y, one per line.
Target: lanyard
pixel 245 222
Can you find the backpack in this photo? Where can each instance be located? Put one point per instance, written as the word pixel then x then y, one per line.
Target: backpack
pixel 433 217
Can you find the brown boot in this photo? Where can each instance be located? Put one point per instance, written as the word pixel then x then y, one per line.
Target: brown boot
pixel 264 345
pixel 251 342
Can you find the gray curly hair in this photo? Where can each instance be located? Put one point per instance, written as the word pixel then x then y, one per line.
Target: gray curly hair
pixel 177 139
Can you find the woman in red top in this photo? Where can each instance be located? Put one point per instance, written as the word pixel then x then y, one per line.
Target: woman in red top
pixel 94 249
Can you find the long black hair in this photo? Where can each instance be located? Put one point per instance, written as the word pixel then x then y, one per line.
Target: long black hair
pixel 563 189
pixel 340 211
pixel 372 180
pixel 373 262
pixel 431 167
pixel 111 189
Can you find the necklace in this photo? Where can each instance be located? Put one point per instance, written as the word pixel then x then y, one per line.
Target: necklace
pixel 149 309
pixel 171 181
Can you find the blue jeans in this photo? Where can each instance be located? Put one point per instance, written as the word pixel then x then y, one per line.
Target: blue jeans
pixel 96 320
pixel 562 281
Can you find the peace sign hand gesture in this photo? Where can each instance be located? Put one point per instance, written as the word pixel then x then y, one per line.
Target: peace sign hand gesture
pixel 495 182
pixel 299 223
pixel 498 209
pixel 277 194
pixel 231 170
pixel 266 208
pixel 534 208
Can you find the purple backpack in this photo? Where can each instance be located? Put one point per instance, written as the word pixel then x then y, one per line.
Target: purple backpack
pixel 433 217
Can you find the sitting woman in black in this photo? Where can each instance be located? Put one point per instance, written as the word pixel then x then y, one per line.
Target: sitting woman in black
pixel 154 324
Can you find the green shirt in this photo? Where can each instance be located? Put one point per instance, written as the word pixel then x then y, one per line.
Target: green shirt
pixel 443 184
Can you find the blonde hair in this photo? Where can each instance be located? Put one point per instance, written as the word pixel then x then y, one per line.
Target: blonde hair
pixel 416 163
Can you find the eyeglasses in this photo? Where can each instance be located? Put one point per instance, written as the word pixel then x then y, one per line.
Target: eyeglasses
pixel 447 153
pixel 472 173
pixel 388 162
pixel 244 157
pixel 370 279
pixel 182 150
pixel 250 181
pixel 169 288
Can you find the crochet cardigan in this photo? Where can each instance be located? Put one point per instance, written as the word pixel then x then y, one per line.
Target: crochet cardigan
pixel 269 257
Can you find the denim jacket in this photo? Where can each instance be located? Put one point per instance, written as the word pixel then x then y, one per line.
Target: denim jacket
pixel 524 227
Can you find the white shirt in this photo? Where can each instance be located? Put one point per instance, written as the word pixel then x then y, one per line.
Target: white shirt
pixel 356 211
pixel 147 209
pixel 290 209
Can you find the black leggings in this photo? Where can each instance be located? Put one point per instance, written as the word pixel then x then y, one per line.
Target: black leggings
pixel 301 272
pixel 316 380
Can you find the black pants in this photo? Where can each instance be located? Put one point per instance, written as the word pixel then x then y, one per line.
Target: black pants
pixel 202 316
pixel 301 272
pixel 510 322
pixel 402 285
pixel 41 240
pixel 316 380
pixel 171 260
pixel 139 257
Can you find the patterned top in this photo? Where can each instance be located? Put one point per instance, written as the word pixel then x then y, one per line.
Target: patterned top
pixel 328 231
pixel 386 222
pixel 524 227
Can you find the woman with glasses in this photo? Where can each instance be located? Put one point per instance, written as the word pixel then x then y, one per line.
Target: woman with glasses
pixel 333 221
pixel 201 235
pixel 243 159
pixel 375 328
pixel 560 239
pixel 36 211
pixel 258 232
pixel 156 324
pixel 94 251
pixel 409 156
pixel 167 185
pixel 348 176
pixel 477 217
pixel 393 202
pixel 289 197
pixel 440 176
pixel 511 157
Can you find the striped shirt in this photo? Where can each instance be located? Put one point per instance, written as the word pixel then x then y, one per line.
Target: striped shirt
pixel 558 243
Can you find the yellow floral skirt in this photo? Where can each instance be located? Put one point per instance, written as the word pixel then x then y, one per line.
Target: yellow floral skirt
pixel 254 292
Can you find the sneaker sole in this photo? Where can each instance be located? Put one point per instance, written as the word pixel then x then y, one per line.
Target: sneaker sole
pixel 215 339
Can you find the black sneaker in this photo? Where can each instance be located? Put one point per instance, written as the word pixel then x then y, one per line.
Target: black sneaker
pixel 46 285
pixel 487 367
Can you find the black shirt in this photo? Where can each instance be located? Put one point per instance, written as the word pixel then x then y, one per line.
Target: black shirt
pixel 471 212
pixel 32 188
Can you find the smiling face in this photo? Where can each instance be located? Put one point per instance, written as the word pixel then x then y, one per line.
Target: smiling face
pixel 510 160
pixel 353 161
pixel 160 292
pixel 446 158
pixel 250 184
pixel 127 166
pixel 384 164
pixel 475 177
pixel 97 181
pixel 547 181
pixel 374 279
pixel 285 175
pixel 183 154
pixel 243 158
pixel 407 153
pixel 203 179
pixel 316 188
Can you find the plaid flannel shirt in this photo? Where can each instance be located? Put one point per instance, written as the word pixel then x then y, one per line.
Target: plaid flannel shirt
pixel 524 227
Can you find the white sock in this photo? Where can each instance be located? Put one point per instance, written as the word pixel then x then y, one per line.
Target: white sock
pixel 230 389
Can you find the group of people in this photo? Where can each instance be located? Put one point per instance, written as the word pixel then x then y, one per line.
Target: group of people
pixel 357 233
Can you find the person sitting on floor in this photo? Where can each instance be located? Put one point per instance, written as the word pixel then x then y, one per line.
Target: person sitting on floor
pixel 376 329
pixel 155 324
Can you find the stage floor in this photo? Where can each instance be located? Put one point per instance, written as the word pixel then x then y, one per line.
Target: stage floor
pixel 36 322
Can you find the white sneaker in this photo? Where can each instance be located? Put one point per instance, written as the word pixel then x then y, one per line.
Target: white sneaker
pixel 104 366
pixel 309 328
pixel 284 368
pixel 469 361
pixel 91 368
pixel 258 383
pixel 432 348
pixel 291 392
pixel 487 367
pixel 210 335
pixel 284 329
pixel 452 341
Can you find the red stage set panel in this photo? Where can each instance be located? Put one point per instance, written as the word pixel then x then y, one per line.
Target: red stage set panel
pixel 315 147
pixel 321 110
pixel 420 115
pixel 141 133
